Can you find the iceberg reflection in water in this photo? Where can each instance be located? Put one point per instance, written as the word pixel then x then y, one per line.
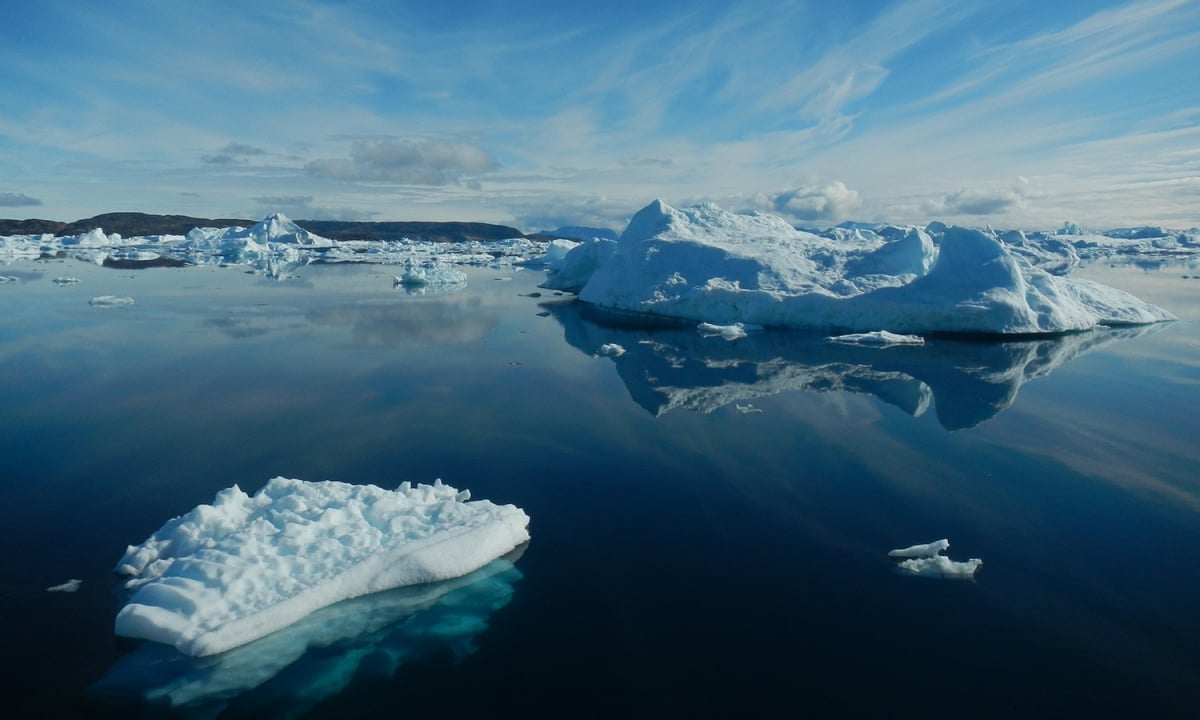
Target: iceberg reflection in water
pixel 967 381
pixel 284 674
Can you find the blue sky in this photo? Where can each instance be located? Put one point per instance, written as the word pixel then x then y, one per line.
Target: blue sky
pixel 538 114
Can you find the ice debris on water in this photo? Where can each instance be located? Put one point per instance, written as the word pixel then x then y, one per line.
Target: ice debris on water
pixel 69 586
pixel 110 301
pixel 928 560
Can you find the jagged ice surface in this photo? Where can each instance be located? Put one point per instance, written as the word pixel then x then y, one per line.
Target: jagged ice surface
pixel 245 566
pixel 709 265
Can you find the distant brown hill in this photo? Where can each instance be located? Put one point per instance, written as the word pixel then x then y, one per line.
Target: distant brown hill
pixel 130 224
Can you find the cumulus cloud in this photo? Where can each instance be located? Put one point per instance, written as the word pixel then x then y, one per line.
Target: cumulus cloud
pixel 829 202
pixel 8 199
pixel 980 201
pixel 234 154
pixel 411 162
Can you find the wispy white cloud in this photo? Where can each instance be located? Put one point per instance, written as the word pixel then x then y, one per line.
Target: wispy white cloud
pixel 416 162
pixel 922 106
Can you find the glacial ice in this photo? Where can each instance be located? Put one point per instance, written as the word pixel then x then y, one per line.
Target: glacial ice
pixel 708 265
pixel 245 566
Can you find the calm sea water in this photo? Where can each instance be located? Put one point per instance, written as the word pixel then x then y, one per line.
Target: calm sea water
pixel 710 520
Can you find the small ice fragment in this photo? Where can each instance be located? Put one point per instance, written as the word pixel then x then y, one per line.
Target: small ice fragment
pixel 941 566
pixel 921 551
pixel 110 301
pixel 747 409
pixel 727 332
pixel 64 280
pixel 928 561
pixel 879 338
pixel 7 279
pixel 69 586
pixel 611 350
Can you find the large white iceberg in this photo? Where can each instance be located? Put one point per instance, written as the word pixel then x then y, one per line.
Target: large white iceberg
pixel 245 566
pixel 706 264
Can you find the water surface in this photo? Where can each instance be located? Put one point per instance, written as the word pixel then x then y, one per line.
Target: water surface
pixel 710 520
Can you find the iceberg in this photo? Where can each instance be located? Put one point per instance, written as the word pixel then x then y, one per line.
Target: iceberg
pixel 245 566
pixel 705 264
pixel 429 274
pixel 928 560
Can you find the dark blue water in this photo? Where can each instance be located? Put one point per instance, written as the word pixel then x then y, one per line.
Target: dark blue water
pixel 687 558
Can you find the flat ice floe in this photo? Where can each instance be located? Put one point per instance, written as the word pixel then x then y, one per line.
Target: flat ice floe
pixel 110 301
pixel 928 560
pixel 879 338
pixel 708 265
pixel 225 574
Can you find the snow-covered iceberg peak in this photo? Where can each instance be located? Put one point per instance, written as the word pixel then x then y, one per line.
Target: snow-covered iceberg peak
pixel 245 566
pixel 706 264
pixel 276 228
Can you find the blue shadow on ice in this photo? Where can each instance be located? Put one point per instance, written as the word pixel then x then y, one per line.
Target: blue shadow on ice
pixel 286 673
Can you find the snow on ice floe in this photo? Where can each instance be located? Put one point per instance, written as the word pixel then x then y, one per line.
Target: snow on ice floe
pixel 69 586
pixel 110 301
pixel 225 574
pixel 928 560
pixel 709 265
pixel 878 338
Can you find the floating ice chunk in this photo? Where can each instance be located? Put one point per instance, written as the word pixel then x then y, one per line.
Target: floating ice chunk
pixel 69 586
pixel 878 338
pixel 245 566
pixel 611 350
pixel 727 332
pixel 63 280
pixel 7 279
pixel 927 560
pixel 941 566
pixel 747 409
pixel 921 551
pixel 110 301
pixel 419 274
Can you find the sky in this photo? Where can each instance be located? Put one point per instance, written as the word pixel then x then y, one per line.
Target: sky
pixel 540 114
